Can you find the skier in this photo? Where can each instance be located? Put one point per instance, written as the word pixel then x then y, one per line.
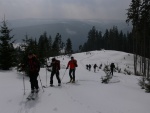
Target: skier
pixel 112 66
pixel 55 70
pixel 34 68
pixel 100 66
pixel 89 67
pixel 72 64
pixel 94 67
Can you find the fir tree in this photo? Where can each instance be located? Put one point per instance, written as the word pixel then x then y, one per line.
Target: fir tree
pixel 68 49
pixel 56 45
pixel 6 47
pixel 43 47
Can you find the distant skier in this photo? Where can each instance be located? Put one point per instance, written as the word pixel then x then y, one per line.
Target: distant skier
pixel 72 64
pixel 100 66
pixel 94 67
pixel 34 68
pixel 89 67
pixel 112 66
pixel 55 64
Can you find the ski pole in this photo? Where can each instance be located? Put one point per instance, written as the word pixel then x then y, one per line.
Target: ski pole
pixel 46 72
pixel 24 84
pixel 46 77
pixel 41 83
pixel 64 74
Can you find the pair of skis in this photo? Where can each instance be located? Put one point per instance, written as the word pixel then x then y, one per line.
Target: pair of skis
pixel 60 85
pixel 32 96
pixel 51 86
pixel 73 82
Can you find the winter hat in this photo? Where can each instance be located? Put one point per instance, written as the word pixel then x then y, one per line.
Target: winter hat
pixel 53 59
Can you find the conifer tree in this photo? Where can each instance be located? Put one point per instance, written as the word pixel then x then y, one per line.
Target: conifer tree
pixel 133 16
pixel 6 47
pixel 68 49
pixel 56 45
pixel 43 47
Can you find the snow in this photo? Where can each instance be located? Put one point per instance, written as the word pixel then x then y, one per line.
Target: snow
pixel 87 95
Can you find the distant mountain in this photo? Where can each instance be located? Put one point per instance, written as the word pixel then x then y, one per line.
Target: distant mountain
pixel 76 30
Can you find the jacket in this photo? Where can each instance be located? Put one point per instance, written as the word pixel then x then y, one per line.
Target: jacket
pixel 55 66
pixel 34 65
pixel 72 64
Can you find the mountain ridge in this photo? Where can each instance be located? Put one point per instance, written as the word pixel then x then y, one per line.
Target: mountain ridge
pixel 76 30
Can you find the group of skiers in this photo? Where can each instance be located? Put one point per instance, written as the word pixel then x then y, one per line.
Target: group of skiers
pixel 88 67
pixel 34 68
pixel 112 67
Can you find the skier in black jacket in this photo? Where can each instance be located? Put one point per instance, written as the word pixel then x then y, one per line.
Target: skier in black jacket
pixel 112 66
pixel 34 68
pixel 55 70
pixel 94 67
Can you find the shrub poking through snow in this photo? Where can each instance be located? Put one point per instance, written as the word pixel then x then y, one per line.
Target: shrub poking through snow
pixel 108 76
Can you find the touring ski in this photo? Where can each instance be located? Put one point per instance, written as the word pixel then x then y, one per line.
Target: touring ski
pixel 29 97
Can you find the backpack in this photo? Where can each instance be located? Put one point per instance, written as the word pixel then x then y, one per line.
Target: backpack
pixel 58 64
pixel 34 65
pixel 75 63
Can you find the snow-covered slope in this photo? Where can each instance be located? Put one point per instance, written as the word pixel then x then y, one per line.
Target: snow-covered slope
pixel 87 95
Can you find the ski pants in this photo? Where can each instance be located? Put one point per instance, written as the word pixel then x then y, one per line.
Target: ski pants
pixel 33 80
pixel 72 74
pixel 112 71
pixel 57 76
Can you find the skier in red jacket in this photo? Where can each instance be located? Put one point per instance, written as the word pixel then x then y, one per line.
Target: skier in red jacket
pixel 72 64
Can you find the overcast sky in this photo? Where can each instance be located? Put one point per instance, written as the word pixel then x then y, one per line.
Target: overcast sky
pixel 69 9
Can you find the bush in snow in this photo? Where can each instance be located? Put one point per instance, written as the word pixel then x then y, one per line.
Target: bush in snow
pixel 108 76
pixel 100 67
pixel 119 70
pixel 141 82
pixel 106 68
pixel 127 72
pixel 147 86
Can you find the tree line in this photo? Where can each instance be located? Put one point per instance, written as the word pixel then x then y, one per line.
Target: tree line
pixel 138 14
pixel 112 39
pixel 44 48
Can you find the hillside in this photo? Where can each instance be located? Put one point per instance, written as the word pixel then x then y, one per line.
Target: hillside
pixel 74 29
pixel 87 95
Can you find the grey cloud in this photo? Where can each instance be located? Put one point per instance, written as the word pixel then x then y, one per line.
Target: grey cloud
pixel 72 9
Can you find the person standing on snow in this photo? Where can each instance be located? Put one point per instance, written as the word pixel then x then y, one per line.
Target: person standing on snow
pixel 89 67
pixel 72 64
pixel 55 70
pixel 112 66
pixel 94 67
pixel 34 68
